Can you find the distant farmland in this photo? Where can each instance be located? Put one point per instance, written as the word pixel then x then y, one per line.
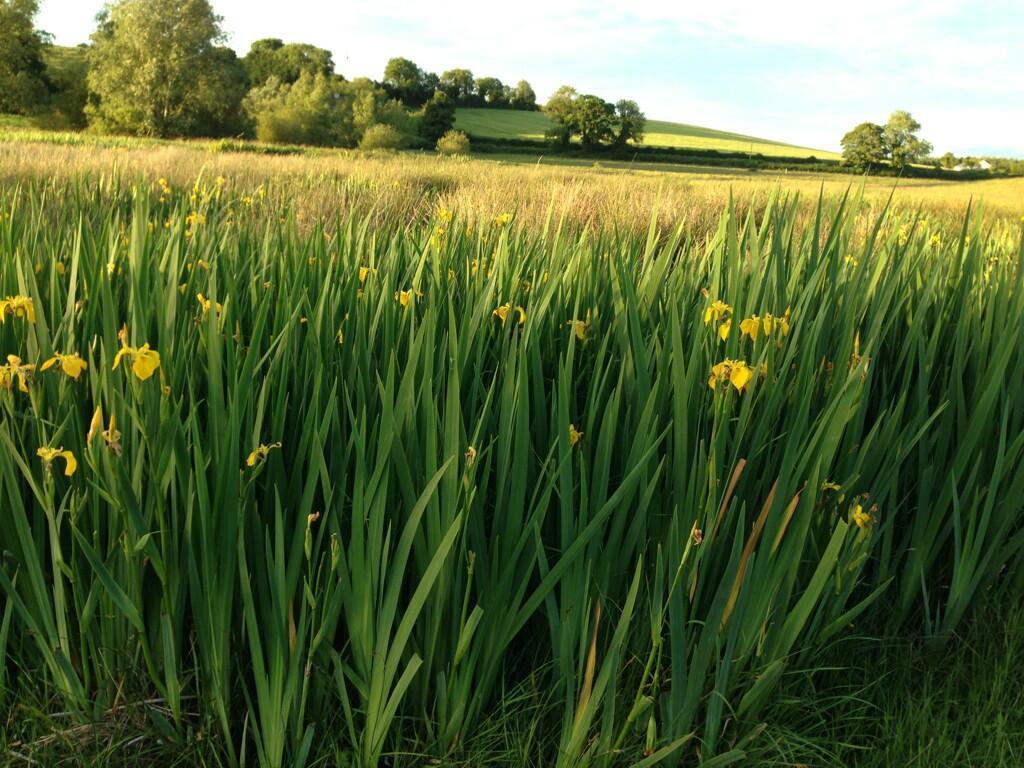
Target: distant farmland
pixel 515 124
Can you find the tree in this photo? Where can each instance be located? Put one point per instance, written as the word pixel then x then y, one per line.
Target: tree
pixel 303 112
pixel 271 57
pixel 595 120
pixel 459 85
pixel 438 117
pixel 864 146
pixel 491 91
pixel 523 97
pixel 948 161
pixel 408 83
pixel 632 122
pixel 561 110
pixel 900 135
pixel 24 86
pixel 67 71
pixel 154 68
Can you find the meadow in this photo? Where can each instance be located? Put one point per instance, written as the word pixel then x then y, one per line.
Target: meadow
pixel 518 124
pixel 329 459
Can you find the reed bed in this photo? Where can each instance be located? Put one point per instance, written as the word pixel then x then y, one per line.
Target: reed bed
pixel 342 490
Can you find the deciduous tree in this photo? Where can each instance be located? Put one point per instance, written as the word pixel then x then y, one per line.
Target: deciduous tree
pixel 864 146
pixel 155 69
pixel 24 86
pixel 900 135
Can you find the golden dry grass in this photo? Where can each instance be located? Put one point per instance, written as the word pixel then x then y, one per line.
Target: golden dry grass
pixel 410 186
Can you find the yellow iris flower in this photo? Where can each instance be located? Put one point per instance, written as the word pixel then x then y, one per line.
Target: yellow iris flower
pixel 502 313
pixel 72 365
pixel 16 371
pixel 145 361
pixel 49 455
pixel 261 453
pixel 574 435
pixel 17 306
pixel 736 372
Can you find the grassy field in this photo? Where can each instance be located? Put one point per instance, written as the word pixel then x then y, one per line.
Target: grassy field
pixel 333 459
pixel 517 124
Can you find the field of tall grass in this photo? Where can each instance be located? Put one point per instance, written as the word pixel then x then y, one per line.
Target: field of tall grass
pixel 364 464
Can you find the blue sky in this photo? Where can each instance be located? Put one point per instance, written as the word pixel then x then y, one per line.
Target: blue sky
pixel 797 71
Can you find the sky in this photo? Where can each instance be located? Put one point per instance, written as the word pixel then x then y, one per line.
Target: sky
pixel 798 71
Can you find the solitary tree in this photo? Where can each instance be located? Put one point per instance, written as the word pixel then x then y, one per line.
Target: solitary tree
pixel 154 68
pixel 864 146
pixel 438 117
pixel 948 161
pixel 523 97
pixel 632 122
pixel 900 135
pixel 23 83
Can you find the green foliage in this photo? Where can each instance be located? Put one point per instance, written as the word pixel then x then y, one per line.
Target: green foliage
pixel 24 86
pixel 523 97
pixel 67 71
pixel 438 117
pixel 901 140
pixel 272 57
pixel 304 112
pixel 864 146
pixel 408 83
pixel 632 122
pixel 317 109
pixel 453 143
pixel 155 70
pixel 492 92
pixel 381 137
pixel 459 85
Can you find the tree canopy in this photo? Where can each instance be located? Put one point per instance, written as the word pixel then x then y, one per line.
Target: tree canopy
pixel 869 144
pixel 23 82
pixel 864 146
pixel 593 120
pixel 155 69
pixel 271 57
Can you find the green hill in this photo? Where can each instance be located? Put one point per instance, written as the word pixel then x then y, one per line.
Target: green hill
pixel 514 124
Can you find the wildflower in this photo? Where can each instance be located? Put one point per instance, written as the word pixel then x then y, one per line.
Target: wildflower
pixel 59 267
pixel 574 435
pixel 208 304
pixel 17 306
pixel 72 365
pixel 403 297
pixel 195 219
pixel 852 261
pixel 696 536
pixel 863 520
pixel 580 328
pixel 736 372
pixel 341 335
pixel 365 272
pixel 16 371
pixel 260 454
pixel 830 486
pixel 502 313
pixel 717 309
pixel 49 455
pixel 444 215
pixel 935 241
pixel 111 436
pixel 145 361
pixel 503 219
pixel 95 426
pixel 470 456
pixel 751 327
